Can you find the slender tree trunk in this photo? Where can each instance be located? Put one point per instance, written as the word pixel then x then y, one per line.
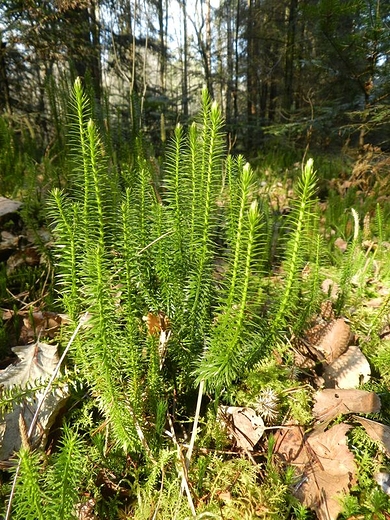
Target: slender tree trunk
pixel 229 63
pixel 162 54
pixel 288 97
pixel 209 80
pixel 184 91
pixel 84 46
pixel 95 63
pixel 251 75
pixel 236 63
pixel 5 98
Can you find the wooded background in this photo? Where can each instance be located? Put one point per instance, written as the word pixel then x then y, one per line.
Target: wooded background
pixel 286 72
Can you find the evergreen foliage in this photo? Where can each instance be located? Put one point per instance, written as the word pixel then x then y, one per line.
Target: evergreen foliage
pixel 55 491
pixel 173 274
pixel 126 250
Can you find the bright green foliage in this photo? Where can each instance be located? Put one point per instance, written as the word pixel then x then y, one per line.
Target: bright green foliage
pixel 172 270
pixel 298 247
pixel 190 278
pixel 51 490
pixel 126 249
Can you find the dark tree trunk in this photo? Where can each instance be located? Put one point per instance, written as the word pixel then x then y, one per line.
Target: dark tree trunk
pixel 5 97
pixel 288 97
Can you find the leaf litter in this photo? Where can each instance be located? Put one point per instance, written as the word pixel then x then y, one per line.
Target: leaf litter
pixel 36 363
pixel 325 466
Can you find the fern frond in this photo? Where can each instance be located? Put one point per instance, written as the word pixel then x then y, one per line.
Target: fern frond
pixel 29 501
pixel 64 477
pixel 210 178
pixel 79 117
pixel 225 357
pixel 349 265
pixel 69 246
pixel 301 221
pixel 237 218
pixel 102 351
pixel 379 219
pixel 176 177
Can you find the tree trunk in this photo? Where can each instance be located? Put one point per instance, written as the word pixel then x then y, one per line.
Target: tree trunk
pixel 184 88
pixel 251 75
pixel 288 97
pixel 5 98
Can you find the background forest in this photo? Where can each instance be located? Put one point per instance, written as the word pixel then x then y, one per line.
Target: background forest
pixel 286 73
pixel 185 334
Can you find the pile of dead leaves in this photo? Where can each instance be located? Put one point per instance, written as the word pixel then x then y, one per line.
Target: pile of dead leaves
pixel 325 466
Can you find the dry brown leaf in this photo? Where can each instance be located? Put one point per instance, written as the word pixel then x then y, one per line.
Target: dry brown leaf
pixel 327 311
pixel 378 432
pixel 8 242
pixel 244 424
pixel 26 257
pixel 36 323
pixel 375 303
pixel 291 448
pixel 350 370
pixel 341 244
pixel 329 480
pixel 330 403
pixel 335 339
pixel 326 465
pixel 156 323
pixel 36 364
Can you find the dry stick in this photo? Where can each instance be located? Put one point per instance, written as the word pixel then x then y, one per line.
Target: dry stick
pixel 184 481
pixel 195 426
pixel 34 421
pixel 154 241
pixel 185 486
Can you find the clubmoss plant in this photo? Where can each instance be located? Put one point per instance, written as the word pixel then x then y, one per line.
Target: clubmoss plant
pixel 173 275
pixel 52 491
pixel 156 253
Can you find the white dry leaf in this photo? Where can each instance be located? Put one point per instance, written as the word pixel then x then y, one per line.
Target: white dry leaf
pixel 36 365
pixel 350 370
pixel 330 288
pixel 383 481
pixel 37 362
pixel 8 206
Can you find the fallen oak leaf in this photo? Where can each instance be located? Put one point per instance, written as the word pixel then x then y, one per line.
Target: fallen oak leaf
pixel 326 466
pixel 330 403
pixel 350 370
pixel 335 339
pixel 244 424
pixel 378 432
pixel 37 362
pixel 326 483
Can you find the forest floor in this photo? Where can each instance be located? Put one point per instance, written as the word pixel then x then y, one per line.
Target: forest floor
pixel 315 443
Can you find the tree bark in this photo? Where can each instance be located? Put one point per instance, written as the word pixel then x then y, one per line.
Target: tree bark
pixel 288 97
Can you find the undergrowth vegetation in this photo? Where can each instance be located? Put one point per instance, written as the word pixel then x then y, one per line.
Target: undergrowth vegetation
pixel 192 279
